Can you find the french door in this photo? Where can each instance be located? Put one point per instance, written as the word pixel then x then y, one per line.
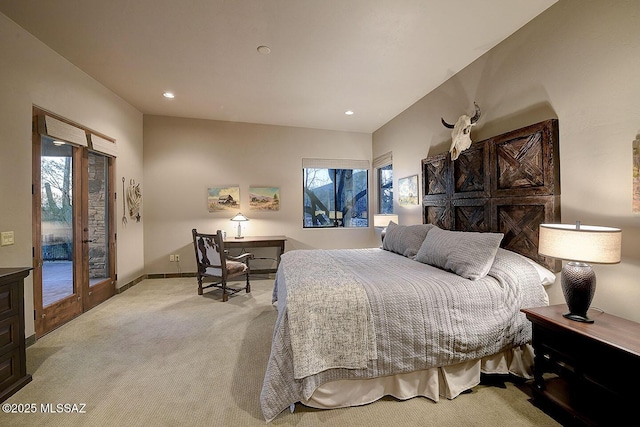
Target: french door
pixel 73 229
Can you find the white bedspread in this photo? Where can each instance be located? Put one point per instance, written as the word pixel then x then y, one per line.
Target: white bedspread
pixel 423 317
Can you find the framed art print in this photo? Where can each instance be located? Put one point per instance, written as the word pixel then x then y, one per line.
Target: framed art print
pixel 264 198
pixel 408 191
pixel 223 198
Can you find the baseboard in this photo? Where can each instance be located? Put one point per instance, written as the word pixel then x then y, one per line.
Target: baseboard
pixel 152 276
pixel 169 275
pixel 131 284
pixel 30 340
pixel 267 274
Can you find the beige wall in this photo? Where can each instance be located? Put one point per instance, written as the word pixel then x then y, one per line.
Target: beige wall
pixel 32 74
pixel 578 62
pixel 184 157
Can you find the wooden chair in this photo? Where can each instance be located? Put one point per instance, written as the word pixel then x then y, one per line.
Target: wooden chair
pixel 214 262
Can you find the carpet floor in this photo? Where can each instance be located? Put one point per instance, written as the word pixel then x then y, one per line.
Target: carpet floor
pixel 160 355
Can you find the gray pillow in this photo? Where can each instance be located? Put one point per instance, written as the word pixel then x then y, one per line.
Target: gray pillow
pixel 405 239
pixel 468 254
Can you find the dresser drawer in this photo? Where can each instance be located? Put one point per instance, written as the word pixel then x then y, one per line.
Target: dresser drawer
pixel 10 368
pixel 9 300
pixel 9 338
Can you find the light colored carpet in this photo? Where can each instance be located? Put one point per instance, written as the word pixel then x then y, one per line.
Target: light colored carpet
pixel 160 355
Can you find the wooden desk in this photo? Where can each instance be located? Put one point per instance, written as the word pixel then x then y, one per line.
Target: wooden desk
pixel 597 365
pixel 249 242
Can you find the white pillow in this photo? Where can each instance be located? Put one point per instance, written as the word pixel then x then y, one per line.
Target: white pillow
pixel 547 277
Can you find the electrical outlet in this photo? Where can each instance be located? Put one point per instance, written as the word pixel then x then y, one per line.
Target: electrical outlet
pixel 177 258
pixel 172 258
pixel 6 238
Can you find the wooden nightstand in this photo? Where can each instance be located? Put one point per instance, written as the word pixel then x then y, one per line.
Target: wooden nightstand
pixel 597 365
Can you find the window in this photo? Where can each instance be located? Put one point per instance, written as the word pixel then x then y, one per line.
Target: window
pixel 335 196
pixel 385 189
pixel 383 166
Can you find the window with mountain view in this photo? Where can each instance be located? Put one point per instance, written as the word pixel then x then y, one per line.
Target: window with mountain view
pixel 335 197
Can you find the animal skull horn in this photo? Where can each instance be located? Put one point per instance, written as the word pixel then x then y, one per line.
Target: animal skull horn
pixel 461 133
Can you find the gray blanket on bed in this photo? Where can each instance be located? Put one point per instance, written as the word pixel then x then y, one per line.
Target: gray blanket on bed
pixel 423 317
pixel 329 315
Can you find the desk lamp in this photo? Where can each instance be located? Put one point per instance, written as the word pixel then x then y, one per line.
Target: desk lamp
pixel 239 218
pixel 580 244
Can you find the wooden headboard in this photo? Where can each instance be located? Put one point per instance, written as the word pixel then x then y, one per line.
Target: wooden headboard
pixel 509 184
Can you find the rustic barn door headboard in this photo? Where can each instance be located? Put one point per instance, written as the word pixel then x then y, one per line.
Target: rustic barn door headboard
pixel 509 184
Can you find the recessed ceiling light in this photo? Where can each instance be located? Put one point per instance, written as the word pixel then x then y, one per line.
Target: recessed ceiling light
pixel 265 50
pixel 168 95
pixel 349 113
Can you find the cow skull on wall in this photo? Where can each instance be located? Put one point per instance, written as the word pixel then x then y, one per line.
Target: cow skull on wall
pixel 461 133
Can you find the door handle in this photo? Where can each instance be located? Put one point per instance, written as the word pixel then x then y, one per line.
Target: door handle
pixel 87 241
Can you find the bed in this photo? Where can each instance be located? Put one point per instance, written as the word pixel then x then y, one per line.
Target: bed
pixel 439 303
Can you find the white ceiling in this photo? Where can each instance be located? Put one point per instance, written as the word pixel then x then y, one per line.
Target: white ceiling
pixel 375 57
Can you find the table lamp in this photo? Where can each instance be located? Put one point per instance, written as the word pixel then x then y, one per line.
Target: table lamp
pixel 382 220
pixel 239 218
pixel 580 244
pixel 336 217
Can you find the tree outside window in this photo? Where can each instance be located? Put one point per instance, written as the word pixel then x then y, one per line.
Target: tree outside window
pixel 335 197
pixel 385 189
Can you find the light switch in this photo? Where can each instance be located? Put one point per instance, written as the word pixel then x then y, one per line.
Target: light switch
pixel 6 238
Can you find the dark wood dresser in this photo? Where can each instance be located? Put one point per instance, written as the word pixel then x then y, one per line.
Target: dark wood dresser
pixel 595 368
pixel 13 363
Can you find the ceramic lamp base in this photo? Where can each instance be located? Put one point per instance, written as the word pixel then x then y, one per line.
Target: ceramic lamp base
pixel 578 286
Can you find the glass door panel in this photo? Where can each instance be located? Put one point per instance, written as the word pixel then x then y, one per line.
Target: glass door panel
pixel 98 241
pixel 57 233
pixel 98 219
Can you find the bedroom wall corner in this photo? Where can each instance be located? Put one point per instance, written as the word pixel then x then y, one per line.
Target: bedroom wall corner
pixel 33 74
pixel 184 157
pixel 576 62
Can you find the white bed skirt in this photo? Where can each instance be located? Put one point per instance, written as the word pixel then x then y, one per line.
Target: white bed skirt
pixel 447 381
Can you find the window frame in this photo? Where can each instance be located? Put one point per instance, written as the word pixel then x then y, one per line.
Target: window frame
pixel 333 212
pixel 379 163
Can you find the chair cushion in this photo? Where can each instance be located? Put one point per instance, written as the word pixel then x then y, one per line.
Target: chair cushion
pixel 234 268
